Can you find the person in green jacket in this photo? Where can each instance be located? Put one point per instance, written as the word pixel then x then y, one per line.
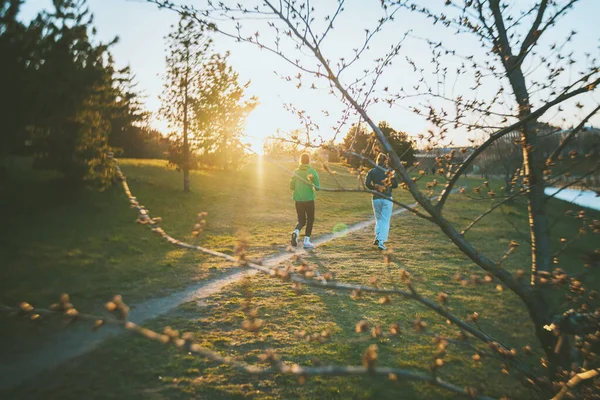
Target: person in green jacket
pixel 304 182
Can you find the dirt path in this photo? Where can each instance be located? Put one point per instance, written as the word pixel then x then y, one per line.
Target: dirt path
pixel 65 345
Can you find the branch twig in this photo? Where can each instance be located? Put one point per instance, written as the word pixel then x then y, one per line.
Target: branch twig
pixel 277 366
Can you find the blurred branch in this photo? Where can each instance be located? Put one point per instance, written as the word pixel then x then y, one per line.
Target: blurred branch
pixel 480 217
pixel 521 192
pixel 576 380
pixel 524 236
pixel 331 21
pixel 575 181
pixel 571 135
pixel 327 72
pixel 185 343
pixel 316 281
pixel 533 34
pixel 186 11
pixel 497 135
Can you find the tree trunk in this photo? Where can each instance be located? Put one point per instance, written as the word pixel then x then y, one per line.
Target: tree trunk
pixel 186 149
pixel 533 160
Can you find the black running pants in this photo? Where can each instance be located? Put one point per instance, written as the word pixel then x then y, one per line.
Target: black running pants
pixel 306 215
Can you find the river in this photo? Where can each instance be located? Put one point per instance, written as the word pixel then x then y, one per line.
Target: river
pixel 584 198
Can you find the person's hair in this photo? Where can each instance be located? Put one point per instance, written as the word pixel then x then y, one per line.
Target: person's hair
pixel 382 160
pixel 305 158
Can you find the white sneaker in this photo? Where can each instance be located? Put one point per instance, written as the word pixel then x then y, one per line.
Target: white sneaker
pixel 308 244
pixel 381 246
pixel 295 238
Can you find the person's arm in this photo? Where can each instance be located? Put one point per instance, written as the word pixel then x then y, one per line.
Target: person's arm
pixel 315 180
pixel 293 182
pixel 394 181
pixel 369 181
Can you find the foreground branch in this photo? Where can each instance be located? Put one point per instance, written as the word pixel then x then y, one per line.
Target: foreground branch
pixel 320 281
pixel 293 31
pixel 184 342
pixel 574 381
pixel 571 135
pixel 497 135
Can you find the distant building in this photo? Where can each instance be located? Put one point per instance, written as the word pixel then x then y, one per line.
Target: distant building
pixel 426 160
pixel 586 140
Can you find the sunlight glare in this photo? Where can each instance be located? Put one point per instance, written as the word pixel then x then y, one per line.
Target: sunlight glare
pixel 260 173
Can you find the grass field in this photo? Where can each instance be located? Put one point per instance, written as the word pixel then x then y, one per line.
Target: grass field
pixel 86 244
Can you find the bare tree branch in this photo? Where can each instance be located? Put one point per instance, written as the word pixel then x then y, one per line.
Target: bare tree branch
pixel 480 217
pixel 576 380
pixel 575 181
pixel 533 34
pixel 571 135
pixel 495 136
pixel 186 344
pixel 318 281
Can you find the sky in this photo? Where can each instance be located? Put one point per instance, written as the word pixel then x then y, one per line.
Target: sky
pixel 142 27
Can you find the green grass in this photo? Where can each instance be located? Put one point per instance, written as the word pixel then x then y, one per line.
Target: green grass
pixel 87 244
pixel 57 239
pixel 130 367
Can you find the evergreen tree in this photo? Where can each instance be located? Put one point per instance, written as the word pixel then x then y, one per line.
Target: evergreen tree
pixel 15 40
pixel 64 93
pixel 129 133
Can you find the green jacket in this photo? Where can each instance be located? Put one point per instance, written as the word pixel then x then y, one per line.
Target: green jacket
pixel 304 191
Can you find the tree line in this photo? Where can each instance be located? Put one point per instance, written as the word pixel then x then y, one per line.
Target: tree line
pixel 67 105
pixel 63 94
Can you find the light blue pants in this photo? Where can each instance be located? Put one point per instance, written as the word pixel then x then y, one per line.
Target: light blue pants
pixel 383 214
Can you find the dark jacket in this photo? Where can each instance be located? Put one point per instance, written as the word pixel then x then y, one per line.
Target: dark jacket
pixel 379 181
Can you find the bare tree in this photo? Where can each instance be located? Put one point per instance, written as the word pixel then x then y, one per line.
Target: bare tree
pixel 568 335
pixel 503 158
pixel 500 30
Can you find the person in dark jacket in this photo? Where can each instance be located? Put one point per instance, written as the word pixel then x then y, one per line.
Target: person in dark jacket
pixel 382 180
pixel 304 182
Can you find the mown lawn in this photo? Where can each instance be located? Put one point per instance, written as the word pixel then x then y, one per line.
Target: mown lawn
pixel 87 244
pixel 57 239
pixel 131 367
